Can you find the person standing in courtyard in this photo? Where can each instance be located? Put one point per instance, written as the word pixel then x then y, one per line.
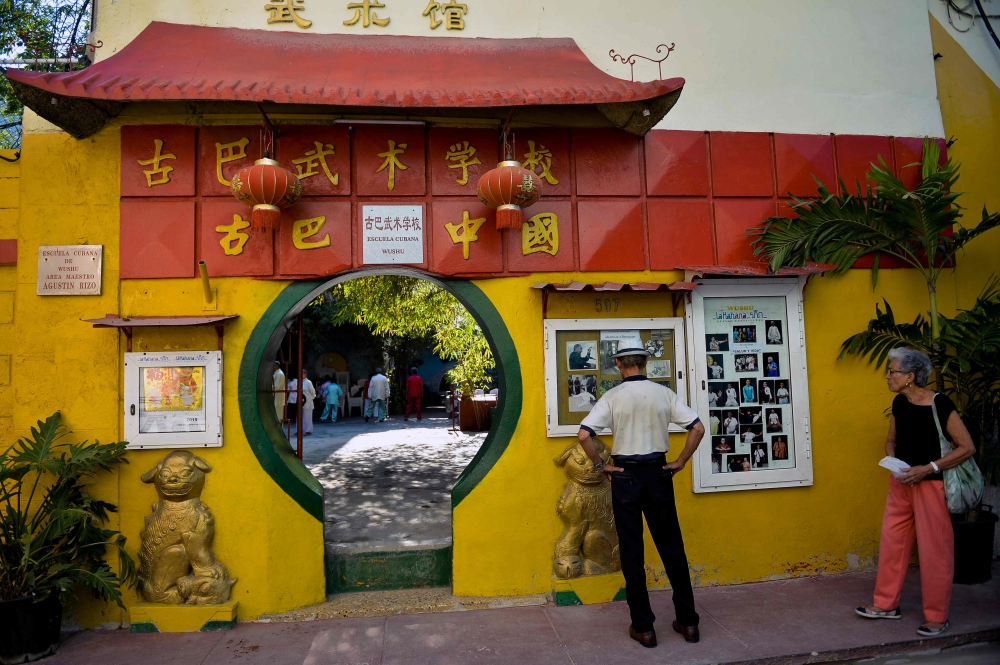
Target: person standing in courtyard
pixel 414 394
pixel 308 395
pixel 278 386
pixel 916 508
pixel 378 393
pixel 333 393
pixel 639 412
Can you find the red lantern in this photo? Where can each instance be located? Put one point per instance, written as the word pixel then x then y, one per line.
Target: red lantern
pixel 508 188
pixel 268 187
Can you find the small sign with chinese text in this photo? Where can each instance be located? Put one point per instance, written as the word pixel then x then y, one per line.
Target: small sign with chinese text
pixel 69 270
pixel 392 234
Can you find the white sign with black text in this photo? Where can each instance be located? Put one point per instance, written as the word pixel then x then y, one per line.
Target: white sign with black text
pixel 392 234
pixel 69 270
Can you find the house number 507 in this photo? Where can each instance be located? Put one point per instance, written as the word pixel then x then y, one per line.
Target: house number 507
pixel 606 305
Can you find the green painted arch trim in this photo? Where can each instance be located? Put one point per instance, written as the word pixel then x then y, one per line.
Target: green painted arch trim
pixel 264 432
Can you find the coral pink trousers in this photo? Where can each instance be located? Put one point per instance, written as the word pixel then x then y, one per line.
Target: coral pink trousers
pixel 916 513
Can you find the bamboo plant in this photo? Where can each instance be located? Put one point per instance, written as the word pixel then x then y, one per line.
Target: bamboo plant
pixel 51 534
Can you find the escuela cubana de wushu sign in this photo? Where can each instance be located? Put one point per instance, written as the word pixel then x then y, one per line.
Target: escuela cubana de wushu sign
pixel 358 185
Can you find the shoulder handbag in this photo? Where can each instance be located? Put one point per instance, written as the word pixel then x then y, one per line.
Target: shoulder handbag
pixel 963 484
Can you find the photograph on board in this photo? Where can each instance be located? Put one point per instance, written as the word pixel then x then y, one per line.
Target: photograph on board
pixel 658 369
pixel 744 334
pixel 730 422
pixel 655 348
pixel 771 368
pixel 748 391
pixel 758 456
pixel 781 394
pixel 751 433
pixel 716 371
pixel 723 444
pixel 779 448
pixel 745 362
pixel 750 416
pixel 775 334
pixel 774 420
pixel 724 394
pixel 738 463
pixel 582 355
pixel 582 392
pixel 716 342
pixel 766 391
pixel 714 422
pixel 608 384
pixel 716 463
pixel 608 348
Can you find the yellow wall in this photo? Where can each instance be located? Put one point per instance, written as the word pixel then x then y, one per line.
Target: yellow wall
pixel 10 173
pixel 267 541
pixel 505 529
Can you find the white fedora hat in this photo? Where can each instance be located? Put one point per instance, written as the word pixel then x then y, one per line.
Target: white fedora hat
pixel 630 346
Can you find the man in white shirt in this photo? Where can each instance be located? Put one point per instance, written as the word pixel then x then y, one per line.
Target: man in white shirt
pixel 278 386
pixel 732 426
pixel 378 393
pixel 639 412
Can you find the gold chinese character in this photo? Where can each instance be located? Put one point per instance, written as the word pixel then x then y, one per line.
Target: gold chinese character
pixel 464 156
pixel 306 166
pixel 305 228
pixel 451 12
pixel 228 152
pixel 465 232
pixel 364 8
pixel 287 11
pixel 162 171
pixel 540 158
pixel 392 162
pixel 232 243
pixel 540 234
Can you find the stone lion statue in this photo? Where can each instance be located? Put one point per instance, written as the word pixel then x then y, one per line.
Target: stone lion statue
pixel 176 562
pixel 589 544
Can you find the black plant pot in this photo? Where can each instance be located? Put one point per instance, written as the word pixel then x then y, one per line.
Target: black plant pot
pixel 974 545
pixel 29 630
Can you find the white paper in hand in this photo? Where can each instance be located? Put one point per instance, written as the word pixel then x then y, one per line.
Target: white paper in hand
pixel 896 466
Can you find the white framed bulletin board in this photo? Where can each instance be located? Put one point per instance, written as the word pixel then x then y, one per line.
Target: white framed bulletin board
pixel 173 399
pixel 579 368
pixel 750 387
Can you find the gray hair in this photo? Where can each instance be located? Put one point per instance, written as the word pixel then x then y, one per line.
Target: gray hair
pixel 913 361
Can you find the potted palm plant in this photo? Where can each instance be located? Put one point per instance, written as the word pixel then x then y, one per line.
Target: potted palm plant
pixel 52 538
pixel 920 227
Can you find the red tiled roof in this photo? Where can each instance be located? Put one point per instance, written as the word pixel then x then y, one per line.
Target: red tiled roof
pixel 170 62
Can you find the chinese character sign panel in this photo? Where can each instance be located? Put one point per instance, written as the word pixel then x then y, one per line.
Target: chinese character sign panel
pixel 749 384
pixel 392 234
pixel 172 399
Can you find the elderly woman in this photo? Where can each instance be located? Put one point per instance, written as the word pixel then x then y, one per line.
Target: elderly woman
pixel 916 508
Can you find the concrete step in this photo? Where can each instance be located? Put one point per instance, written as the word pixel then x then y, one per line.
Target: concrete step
pixel 353 569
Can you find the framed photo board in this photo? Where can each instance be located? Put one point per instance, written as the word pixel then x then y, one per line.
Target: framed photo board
pixel 748 358
pixel 173 399
pixel 579 368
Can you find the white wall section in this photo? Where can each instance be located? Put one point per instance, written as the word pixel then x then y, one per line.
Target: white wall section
pixel 841 66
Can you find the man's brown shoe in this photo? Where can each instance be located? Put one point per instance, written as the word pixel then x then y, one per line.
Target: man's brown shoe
pixel 647 639
pixel 690 633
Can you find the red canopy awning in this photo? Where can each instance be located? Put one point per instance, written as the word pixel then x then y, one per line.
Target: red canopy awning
pixel 169 62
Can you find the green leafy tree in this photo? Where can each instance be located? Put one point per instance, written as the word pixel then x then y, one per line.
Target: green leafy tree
pixel 32 29
pixel 918 226
pixel 51 534
pixel 400 308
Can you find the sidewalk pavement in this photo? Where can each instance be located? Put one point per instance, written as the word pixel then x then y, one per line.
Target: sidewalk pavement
pixel 786 621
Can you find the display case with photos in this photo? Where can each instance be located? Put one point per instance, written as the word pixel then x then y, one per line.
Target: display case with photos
pixel 748 360
pixel 173 399
pixel 579 368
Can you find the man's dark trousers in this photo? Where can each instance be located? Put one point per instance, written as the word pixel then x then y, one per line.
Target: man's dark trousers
pixel 647 489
